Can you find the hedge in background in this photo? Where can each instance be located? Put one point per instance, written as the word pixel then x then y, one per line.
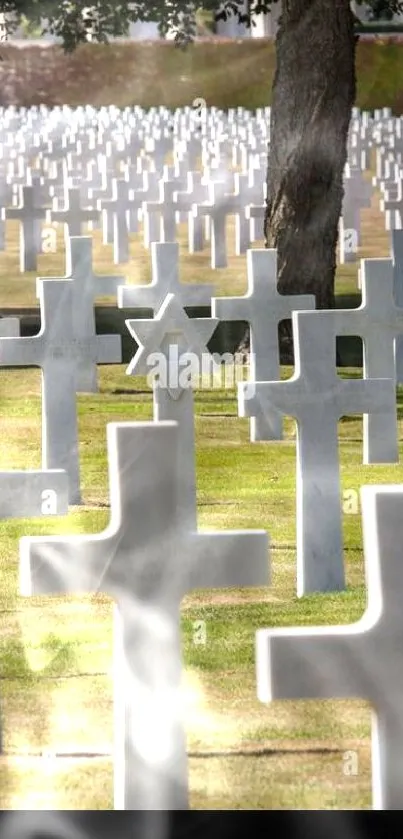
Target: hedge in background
pixel 226 74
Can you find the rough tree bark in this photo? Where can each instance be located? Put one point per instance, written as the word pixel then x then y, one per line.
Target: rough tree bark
pixel 313 93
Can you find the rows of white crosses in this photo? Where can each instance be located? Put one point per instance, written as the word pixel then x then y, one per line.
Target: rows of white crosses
pixel 152 553
pixel 110 168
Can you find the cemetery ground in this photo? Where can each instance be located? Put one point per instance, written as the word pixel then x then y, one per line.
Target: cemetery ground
pixel 56 653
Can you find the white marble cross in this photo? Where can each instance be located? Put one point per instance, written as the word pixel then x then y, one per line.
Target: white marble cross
pixel 316 397
pixel 217 210
pixel 359 147
pixel 348 243
pixel 40 195
pixel 378 322
pixel 144 188
pixel 165 280
pixel 94 196
pixel 100 349
pixel 56 351
pixel 9 327
pixel 158 148
pixel 393 207
pixel 169 347
pixel 117 208
pixel 165 209
pixel 256 214
pixel 28 215
pixel 197 192
pixel 246 193
pixel 147 560
pixel 73 216
pixel 30 493
pixel 362 660
pixel 264 309
pixel 151 221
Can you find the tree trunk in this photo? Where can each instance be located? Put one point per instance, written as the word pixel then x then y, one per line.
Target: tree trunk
pixel 313 93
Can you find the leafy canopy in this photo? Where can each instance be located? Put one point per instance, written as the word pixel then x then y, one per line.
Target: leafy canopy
pixel 106 18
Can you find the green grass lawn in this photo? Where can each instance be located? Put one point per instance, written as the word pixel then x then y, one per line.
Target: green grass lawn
pixel 56 653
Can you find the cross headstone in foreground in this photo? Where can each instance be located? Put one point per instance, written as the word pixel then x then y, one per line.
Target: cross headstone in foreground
pixel 363 660
pixel 264 309
pixel 316 397
pixel 9 327
pixel 147 560
pixel 57 352
pixel 165 280
pixel 99 349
